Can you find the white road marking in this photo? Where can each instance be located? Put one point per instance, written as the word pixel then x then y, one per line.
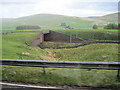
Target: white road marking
pixel 30 86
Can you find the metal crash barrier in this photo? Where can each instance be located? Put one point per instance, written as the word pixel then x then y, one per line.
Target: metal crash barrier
pixel 63 64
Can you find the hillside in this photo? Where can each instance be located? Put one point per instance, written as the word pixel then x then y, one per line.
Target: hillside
pixel 48 21
pixel 110 18
pixel 53 21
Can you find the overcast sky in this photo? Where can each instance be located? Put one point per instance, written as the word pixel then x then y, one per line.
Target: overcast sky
pixel 80 8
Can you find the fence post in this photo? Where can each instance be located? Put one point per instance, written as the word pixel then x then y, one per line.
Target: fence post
pixel 76 34
pixel 44 72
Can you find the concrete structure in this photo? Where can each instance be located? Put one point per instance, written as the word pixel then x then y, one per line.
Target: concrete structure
pixel 53 36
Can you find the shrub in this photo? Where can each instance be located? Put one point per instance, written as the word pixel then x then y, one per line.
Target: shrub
pixel 95 27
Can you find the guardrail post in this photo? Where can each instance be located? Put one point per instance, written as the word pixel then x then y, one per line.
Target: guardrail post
pixel 44 72
pixel 118 76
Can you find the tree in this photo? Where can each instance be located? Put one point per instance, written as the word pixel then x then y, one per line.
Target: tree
pixel 27 27
pixel 95 27
pixel 111 26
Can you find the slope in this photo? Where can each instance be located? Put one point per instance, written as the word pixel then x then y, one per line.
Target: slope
pixel 48 21
pixel 109 18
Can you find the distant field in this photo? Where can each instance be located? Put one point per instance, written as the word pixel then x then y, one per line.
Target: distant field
pixel 95 35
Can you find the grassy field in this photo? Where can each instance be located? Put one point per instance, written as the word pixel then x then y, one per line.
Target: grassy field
pixel 95 35
pixel 14 47
pixel 93 52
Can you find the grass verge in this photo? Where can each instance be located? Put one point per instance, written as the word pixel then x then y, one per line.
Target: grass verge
pixel 71 77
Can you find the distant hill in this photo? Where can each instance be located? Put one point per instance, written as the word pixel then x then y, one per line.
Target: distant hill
pixel 48 21
pixel 110 18
pixel 53 21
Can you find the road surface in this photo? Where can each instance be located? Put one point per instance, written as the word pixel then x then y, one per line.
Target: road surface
pixel 12 86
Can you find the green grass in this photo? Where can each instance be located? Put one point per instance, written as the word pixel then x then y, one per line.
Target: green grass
pixel 13 45
pixel 34 75
pixel 58 44
pixel 93 52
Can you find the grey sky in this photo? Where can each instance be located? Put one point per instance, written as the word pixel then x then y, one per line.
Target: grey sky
pixel 20 8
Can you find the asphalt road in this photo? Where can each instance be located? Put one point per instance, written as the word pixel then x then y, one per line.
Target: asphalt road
pixel 10 86
pixel 7 87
